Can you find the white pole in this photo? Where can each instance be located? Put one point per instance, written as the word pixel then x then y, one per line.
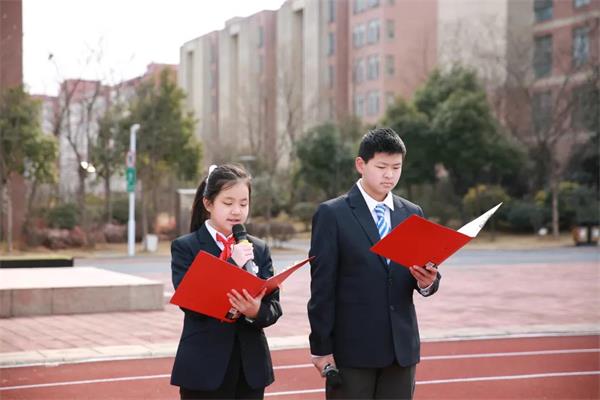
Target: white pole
pixel 131 222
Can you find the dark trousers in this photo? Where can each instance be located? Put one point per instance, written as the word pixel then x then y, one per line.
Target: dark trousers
pixel 393 382
pixel 234 384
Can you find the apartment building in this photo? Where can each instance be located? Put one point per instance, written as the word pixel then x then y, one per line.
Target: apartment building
pixel 246 89
pixel 565 71
pixel 393 48
pixel 11 75
pixel 199 75
pixel 312 67
pixel 79 105
pixel 492 36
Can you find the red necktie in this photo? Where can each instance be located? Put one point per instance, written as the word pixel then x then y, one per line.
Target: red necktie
pixel 227 244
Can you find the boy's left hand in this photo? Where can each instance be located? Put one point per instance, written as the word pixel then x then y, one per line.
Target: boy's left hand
pixel 425 276
pixel 245 303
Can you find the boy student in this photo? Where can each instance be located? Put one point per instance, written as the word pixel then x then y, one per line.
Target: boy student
pixel 361 312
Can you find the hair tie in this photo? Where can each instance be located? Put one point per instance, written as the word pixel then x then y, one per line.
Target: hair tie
pixel 210 171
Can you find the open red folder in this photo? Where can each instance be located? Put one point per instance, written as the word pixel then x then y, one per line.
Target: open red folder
pixel 205 285
pixel 417 241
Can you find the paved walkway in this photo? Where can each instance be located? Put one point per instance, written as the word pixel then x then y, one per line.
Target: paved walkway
pixel 474 300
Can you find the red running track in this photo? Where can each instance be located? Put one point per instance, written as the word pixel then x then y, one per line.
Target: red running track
pixel 514 368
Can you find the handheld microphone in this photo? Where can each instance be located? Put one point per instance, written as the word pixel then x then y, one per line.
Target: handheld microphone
pixel 332 374
pixel 241 236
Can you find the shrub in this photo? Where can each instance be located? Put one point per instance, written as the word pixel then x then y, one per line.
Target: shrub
pixel 64 216
pixel 526 216
pixel 304 212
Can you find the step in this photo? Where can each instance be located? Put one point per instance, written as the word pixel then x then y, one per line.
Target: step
pixel 75 290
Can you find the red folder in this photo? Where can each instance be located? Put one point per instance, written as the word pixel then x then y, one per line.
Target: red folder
pixel 417 241
pixel 205 285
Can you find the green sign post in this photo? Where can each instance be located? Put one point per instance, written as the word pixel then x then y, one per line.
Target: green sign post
pixel 131 179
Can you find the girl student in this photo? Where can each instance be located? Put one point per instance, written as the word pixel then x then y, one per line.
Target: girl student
pixel 218 359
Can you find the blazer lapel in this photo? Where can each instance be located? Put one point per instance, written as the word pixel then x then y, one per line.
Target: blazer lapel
pixel 360 210
pixel 363 215
pixel 399 214
pixel 206 242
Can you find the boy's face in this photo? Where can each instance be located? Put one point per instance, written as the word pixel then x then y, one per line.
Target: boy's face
pixel 380 174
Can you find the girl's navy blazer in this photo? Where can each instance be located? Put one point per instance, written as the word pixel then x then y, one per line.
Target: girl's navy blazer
pixel 206 343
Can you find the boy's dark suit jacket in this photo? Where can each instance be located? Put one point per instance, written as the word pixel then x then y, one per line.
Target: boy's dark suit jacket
pixel 361 309
pixel 206 343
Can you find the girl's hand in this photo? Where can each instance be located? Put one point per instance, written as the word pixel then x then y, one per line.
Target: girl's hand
pixel 242 252
pixel 245 303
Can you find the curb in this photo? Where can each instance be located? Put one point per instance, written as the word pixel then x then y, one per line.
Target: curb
pixel 159 350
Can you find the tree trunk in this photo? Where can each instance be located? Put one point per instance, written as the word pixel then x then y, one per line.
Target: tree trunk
pixel 9 216
pixel 107 200
pixel 81 205
pixel 144 218
pixel 154 208
pixel 554 190
pixel 2 210
pixel 30 200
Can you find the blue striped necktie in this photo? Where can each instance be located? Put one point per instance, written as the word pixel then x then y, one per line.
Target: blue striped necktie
pixel 382 225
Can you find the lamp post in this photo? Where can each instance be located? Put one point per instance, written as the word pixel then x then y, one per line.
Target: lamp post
pixel 131 181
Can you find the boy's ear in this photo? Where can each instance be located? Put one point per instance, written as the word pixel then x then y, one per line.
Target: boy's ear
pixel 359 163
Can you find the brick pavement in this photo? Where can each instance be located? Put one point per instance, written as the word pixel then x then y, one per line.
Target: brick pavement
pixel 473 300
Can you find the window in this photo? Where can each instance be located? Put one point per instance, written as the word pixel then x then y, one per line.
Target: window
pixel 543 10
pixel 359 105
pixel 331 44
pixel 389 65
pixel 189 75
pixel 373 31
pixel 373 103
pixel 581 46
pixel 213 104
pixel 331 10
pixel 389 27
pixel 373 3
pixel 358 36
pixel 213 53
pixel 373 68
pixel 359 70
pixel 212 79
pixel 585 113
pixel 542 111
pixel 331 106
pixel 390 98
pixel 360 6
pixel 542 56
pixel 261 36
pixel 580 3
pixel 330 76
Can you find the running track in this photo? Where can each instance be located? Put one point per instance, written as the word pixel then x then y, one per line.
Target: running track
pixel 511 368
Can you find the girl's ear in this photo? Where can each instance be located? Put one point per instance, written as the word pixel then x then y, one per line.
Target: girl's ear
pixel 207 204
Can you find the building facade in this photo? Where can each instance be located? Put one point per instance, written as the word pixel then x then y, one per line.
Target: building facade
pixel 11 75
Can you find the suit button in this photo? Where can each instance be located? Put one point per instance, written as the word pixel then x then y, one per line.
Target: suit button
pixel 392 308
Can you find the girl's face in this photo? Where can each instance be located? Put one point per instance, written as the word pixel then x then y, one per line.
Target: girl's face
pixel 230 207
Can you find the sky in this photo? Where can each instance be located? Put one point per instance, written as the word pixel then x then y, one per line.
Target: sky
pixel 114 40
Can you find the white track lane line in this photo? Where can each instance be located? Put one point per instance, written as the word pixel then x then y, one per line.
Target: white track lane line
pixel 299 366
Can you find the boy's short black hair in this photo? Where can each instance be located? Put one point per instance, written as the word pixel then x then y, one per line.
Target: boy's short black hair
pixel 380 140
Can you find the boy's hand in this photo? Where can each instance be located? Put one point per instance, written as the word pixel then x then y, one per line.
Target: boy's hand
pixel 425 276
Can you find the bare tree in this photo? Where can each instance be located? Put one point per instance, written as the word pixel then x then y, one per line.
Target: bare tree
pixel 535 92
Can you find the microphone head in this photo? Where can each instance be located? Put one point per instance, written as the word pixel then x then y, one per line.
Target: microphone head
pixel 239 232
